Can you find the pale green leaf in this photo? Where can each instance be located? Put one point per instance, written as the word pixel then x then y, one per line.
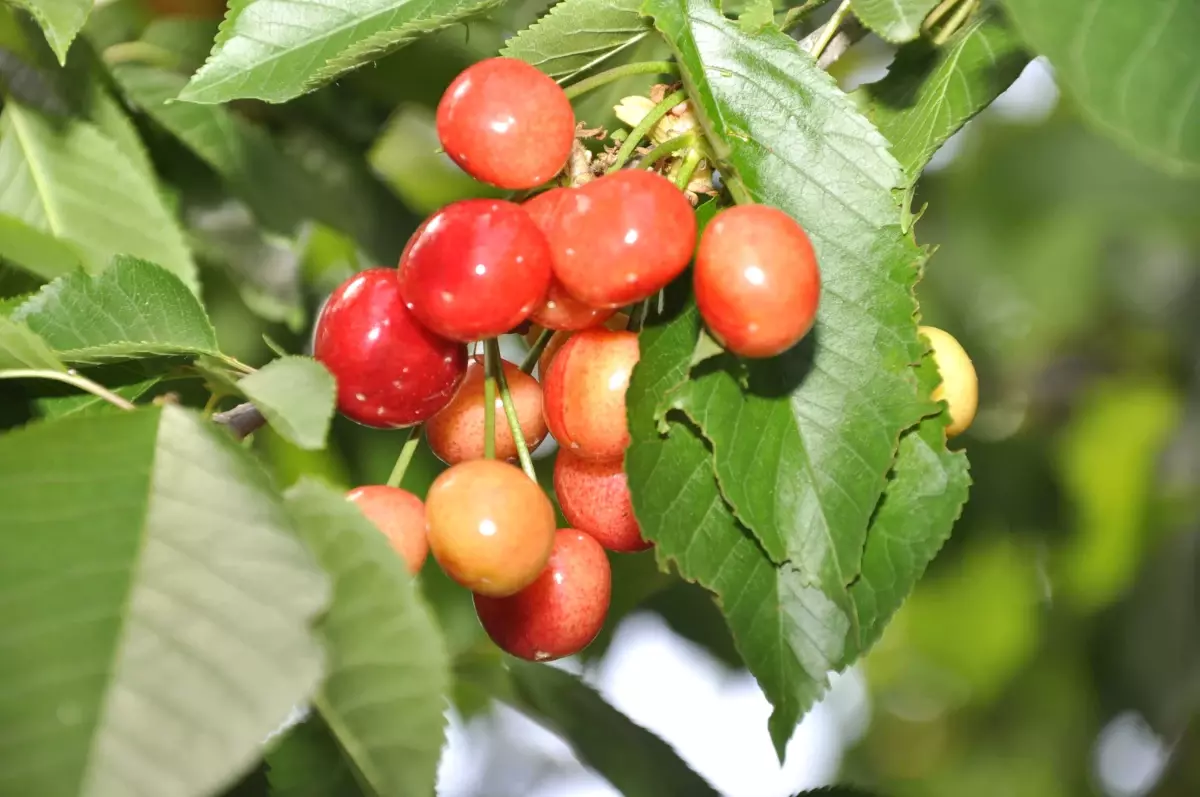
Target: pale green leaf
pixel 1132 67
pixel 157 607
pixel 68 179
pixel 579 35
pixel 20 347
pixel 296 396
pixel 276 50
pixel 61 21
pixel 757 15
pixel 133 309
pixel 387 678
pixel 897 21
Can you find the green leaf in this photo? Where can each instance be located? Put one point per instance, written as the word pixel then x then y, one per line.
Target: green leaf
pixel 835 791
pixel 579 35
pixel 68 179
pixel 897 21
pixel 50 407
pixel 1133 68
pixel 60 20
pixel 757 15
pixel 928 94
pixel 387 672
pixel 157 607
pixel 631 758
pixel 37 252
pixel 134 309
pixel 296 396
pixel 20 347
pixel 309 762
pixel 276 50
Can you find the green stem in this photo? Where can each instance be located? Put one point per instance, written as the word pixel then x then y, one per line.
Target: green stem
pixel 797 15
pixel 535 351
pixel 643 128
pixel 666 148
pixel 737 189
pixel 830 30
pixel 690 162
pixel 490 366
pixel 961 14
pixel 70 378
pixel 604 78
pixel 637 316
pixel 406 456
pixel 936 14
pixel 510 412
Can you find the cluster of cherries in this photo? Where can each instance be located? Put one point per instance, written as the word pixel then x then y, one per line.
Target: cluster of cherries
pixel 567 260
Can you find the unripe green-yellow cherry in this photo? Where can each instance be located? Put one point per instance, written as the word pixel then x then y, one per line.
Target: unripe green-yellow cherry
pixel 960 385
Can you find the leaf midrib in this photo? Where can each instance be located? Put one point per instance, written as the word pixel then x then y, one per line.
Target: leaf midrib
pixel 40 180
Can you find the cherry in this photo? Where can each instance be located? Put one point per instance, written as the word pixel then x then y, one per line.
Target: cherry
pixel 506 123
pixel 400 515
pixel 621 238
pixel 390 370
pixel 490 526
pixel 561 612
pixel 584 393
pixel 456 433
pixel 594 496
pixel 475 269
pixel 560 310
pixel 617 322
pixel 960 384
pixel 756 280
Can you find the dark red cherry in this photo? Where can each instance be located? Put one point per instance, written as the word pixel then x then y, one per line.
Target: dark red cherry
pixel 475 269
pixel 390 370
pixel 506 123
pixel 756 280
pixel 560 310
pixel 622 238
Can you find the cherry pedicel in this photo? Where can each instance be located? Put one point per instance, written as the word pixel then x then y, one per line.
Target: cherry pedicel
pixel 475 269
pixel 584 393
pixel 594 496
pixel 400 515
pixel 622 238
pixel 391 371
pixel 756 280
pixel 506 123
pixel 559 613
pixel 560 310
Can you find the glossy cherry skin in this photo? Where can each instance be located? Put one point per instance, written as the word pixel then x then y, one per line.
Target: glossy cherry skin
pixel 560 310
pixel 617 322
pixel 475 269
pixel 391 371
pixel 561 612
pixel 400 515
pixel 621 238
pixel 594 496
pixel 584 393
pixel 756 280
pixel 490 526
pixel 506 123
pixel 960 384
pixel 456 433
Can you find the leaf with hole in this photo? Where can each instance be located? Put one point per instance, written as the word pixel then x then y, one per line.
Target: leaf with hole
pixel 157 607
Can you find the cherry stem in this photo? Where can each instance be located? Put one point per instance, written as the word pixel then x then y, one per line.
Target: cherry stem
pixel 690 162
pixel 643 127
pixel 666 148
pixel 535 351
pixel 406 456
pixel 70 378
pixel 604 78
pixel 510 412
pixel 961 14
pixel 490 366
pixel 830 29
pixel 737 189
pixel 797 15
pixel 637 316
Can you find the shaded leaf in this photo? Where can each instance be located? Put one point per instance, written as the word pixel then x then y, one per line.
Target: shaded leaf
pixel 928 94
pixel 69 180
pixel 35 251
pixel 20 347
pixel 157 607
pixel 50 407
pixel 1133 68
pixel 309 762
pixel 897 21
pixel 579 35
pixel 296 396
pixel 276 50
pixel 61 21
pixel 387 673
pixel 631 758
pixel 133 309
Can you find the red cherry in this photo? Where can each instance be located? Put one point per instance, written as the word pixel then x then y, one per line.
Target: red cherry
pixel 584 393
pixel 400 515
pixel 390 370
pixel 475 269
pixel 560 310
pixel 506 123
pixel 594 496
pixel 456 433
pixel 561 612
pixel 756 280
pixel 622 238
